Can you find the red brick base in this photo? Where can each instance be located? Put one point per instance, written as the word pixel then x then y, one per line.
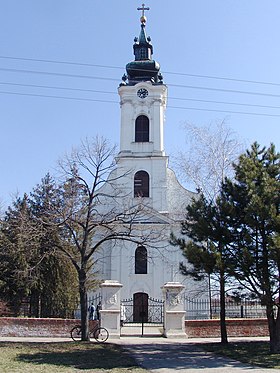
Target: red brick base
pixel 235 328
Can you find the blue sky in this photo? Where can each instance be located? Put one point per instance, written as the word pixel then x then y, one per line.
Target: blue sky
pixel 218 51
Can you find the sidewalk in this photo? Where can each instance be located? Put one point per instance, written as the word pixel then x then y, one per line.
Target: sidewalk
pixel 161 355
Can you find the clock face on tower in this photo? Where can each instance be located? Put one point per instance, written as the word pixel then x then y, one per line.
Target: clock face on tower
pixel 142 93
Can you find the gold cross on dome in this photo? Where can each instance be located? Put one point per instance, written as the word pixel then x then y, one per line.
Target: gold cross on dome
pixel 143 9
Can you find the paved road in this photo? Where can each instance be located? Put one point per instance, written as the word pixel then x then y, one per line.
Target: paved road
pixel 182 356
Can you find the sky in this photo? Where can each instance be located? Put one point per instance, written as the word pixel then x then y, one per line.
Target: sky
pixel 61 63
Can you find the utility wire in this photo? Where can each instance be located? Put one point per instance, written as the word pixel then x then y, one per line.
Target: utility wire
pixel 224 90
pixel 115 93
pixel 116 102
pixel 224 102
pixel 56 87
pixel 61 97
pixel 121 68
pixel 113 79
pixel 57 74
pixel 62 62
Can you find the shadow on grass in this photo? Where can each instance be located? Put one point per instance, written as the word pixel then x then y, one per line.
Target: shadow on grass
pixel 80 355
pixel 254 353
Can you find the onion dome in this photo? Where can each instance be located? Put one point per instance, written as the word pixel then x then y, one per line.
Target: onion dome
pixel 143 68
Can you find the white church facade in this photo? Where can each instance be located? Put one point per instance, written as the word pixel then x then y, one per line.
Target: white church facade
pixel 143 269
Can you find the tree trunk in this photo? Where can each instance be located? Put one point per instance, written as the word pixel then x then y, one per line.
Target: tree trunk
pixel 83 305
pixel 35 303
pixel 223 326
pixel 274 329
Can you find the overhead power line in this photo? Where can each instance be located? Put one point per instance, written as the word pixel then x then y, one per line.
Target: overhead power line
pixel 116 102
pixel 113 79
pixel 56 74
pixel 225 111
pixel 81 76
pixel 115 93
pixel 225 90
pixel 56 87
pixel 59 97
pixel 122 68
pixel 62 62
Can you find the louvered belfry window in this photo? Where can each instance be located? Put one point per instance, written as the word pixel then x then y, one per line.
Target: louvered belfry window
pixel 142 129
pixel 141 184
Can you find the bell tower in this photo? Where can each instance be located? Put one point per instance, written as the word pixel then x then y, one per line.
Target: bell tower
pixel 143 97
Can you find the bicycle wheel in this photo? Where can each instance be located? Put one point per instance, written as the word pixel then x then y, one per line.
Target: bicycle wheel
pixel 76 333
pixel 100 335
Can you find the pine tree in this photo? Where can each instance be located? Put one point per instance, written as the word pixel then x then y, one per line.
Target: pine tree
pixel 253 201
pixel 58 292
pixel 31 266
pixel 19 243
pixel 206 248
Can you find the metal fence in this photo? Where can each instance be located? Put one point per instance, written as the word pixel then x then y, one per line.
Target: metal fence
pixel 95 299
pixel 143 310
pixel 210 309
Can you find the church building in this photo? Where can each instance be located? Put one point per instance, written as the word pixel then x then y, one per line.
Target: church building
pixel 141 269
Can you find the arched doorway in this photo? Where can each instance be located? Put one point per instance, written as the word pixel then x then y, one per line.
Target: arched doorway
pixel 140 307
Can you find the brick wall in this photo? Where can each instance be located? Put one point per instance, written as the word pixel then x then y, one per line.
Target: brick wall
pixel 235 328
pixel 25 327
pixel 29 327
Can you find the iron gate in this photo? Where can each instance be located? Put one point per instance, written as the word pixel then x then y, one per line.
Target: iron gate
pixel 142 309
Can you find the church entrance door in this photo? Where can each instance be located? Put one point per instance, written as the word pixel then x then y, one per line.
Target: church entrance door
pixel 140 307
pixel 141 312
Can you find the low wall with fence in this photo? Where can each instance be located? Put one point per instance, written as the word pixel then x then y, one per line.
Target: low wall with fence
pixel 235 328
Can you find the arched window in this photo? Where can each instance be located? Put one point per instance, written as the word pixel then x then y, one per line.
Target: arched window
pixel 141 184
pixel 142 129
pixel 141 260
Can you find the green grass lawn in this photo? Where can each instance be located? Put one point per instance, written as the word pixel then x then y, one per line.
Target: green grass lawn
pixel 65 357
pixel 254 353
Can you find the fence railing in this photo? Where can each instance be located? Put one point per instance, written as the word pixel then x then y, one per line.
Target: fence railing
pixel 95 299
pixel 210 309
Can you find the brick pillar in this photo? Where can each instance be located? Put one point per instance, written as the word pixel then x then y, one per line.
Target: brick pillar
pixel 174 314
pixel 110 311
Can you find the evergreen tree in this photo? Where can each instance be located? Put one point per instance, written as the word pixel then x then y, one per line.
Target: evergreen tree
pixel 252 201
pixel 206 248
pixel 31 266
pixel 57 294
pixel 19 243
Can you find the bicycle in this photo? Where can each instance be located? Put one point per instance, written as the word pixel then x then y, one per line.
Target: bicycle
pixel 99 333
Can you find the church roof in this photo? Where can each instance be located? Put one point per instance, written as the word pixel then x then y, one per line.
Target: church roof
pixel 143 68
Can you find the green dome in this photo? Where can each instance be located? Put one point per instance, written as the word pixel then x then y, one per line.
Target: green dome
pixel 142 71
pixel 143 68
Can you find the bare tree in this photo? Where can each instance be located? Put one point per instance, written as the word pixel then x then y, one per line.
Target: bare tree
pixel 209 158
pixel 211 151
pixel 94 209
